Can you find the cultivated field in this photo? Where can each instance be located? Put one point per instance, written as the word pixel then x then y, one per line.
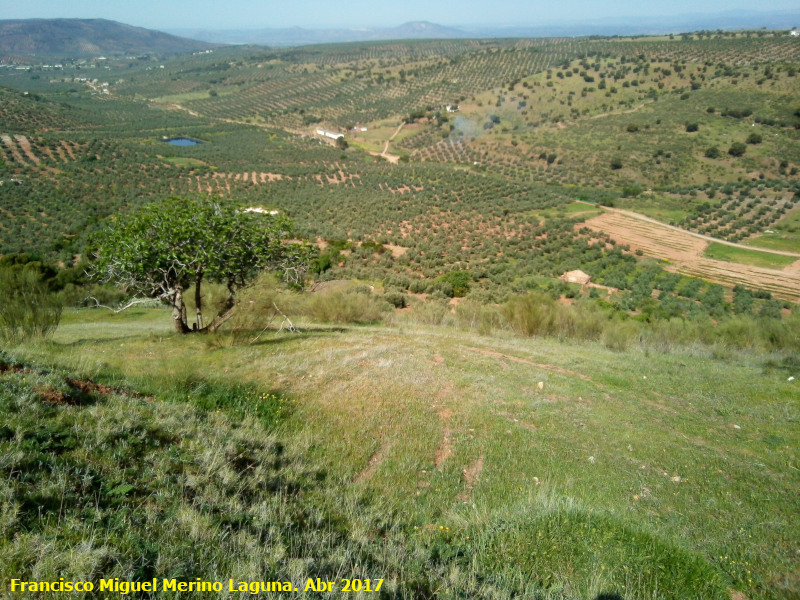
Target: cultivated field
pixel 683 253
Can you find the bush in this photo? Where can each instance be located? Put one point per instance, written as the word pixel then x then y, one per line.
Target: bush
pixel 737 149
pixel 28 308
pixel 692 127
pixel 616 163
pixel 345 307
pixel 712 152
pixel 754 138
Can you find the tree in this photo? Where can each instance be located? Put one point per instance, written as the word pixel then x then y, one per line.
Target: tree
pixel 737 149
pixel 166 247
pixel 754 138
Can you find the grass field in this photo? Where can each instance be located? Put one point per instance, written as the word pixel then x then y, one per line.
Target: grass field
pixel 748 257
pixel 785 234
pixel 446 463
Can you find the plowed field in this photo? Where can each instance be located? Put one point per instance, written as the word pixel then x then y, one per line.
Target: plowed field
pixel 685 255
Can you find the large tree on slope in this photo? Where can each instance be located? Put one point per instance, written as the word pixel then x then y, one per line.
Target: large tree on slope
pixel 165 248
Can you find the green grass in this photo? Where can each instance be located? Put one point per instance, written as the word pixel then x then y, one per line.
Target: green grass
pixel 430 457
pixel 184 161
pixel 748 257
pixel 785 234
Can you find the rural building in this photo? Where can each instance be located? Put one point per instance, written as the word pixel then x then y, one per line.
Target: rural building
pixel 329 134
pixel 794 31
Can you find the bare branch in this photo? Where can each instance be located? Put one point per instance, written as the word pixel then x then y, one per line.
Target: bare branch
pixel 133 302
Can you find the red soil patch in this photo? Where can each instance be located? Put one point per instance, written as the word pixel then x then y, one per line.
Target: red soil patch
pixel 68 149
pixel 373 464
pixel 471 475
pixel 12 148
pixel 26 148
pixel 397 251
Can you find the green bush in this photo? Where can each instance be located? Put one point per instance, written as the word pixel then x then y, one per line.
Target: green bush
pixel 737 149
pixel 754 138
pixel 28 308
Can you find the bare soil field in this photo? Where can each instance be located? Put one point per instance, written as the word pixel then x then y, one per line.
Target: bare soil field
pixel 684 252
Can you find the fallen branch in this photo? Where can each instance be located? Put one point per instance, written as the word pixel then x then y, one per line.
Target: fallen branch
pixel 117 310
pixel 275 312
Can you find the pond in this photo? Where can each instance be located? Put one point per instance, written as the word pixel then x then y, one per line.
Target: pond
pixel 183 141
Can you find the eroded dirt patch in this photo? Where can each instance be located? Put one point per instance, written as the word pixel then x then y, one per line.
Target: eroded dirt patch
pixel 471 475
pixel 373 464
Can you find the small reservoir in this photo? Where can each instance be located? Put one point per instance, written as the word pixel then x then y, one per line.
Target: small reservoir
pixel 183 141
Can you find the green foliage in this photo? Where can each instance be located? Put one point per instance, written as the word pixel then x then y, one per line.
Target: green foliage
pixel 164 248
pixel 458 282
pixel 712 152
pixel 737 149
pixel 28 308
pixel 754 138
pixel 345 306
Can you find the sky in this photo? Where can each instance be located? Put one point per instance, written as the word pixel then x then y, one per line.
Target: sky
pixel 317 14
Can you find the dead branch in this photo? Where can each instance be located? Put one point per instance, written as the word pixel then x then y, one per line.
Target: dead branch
pixel 133 302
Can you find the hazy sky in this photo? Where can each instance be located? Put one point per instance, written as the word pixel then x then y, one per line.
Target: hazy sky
pixel 252 14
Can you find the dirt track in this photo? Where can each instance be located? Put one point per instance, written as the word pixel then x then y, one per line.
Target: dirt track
pixel 684 251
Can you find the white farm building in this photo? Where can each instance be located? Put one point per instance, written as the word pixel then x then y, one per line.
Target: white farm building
pixel 329 134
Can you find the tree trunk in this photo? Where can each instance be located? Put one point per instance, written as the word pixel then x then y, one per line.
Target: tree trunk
pixel 198 300
pixel 179 311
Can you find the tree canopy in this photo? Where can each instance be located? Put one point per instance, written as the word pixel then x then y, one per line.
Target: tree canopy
pixel 164 248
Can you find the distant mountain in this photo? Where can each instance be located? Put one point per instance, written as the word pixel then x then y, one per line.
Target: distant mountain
pixel 298 36
pixel 88 37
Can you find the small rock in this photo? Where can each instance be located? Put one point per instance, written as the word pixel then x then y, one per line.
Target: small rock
pixel 676 478
pixel 790 379
pixel 540 385
pixel 592 459
pixel 736 427
pixel 536 480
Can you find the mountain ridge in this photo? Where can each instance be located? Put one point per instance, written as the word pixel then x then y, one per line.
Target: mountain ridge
pixel 88 37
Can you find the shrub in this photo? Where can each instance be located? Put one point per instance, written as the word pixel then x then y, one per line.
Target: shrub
pixel 737 149
pixel 616 163
pixel 754 138
pixel 27 307
pixel 345 307
pixel 712 152
pixel 692 127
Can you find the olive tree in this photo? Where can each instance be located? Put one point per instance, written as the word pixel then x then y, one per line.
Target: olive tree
pixel 166 247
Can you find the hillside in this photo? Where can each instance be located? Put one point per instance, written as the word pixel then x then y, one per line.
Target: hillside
pixel 453 412
pixel 446 463
pixel 82 38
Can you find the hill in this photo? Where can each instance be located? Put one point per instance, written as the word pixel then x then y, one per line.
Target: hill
pixel 446 464
pixel 88 38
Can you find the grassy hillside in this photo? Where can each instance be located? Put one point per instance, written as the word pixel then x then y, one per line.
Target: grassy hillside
pixel 446 463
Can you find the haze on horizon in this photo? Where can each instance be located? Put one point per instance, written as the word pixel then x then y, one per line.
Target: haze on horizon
pixel 322 14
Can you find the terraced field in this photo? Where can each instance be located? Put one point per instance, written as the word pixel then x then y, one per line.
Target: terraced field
pixel 683 252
